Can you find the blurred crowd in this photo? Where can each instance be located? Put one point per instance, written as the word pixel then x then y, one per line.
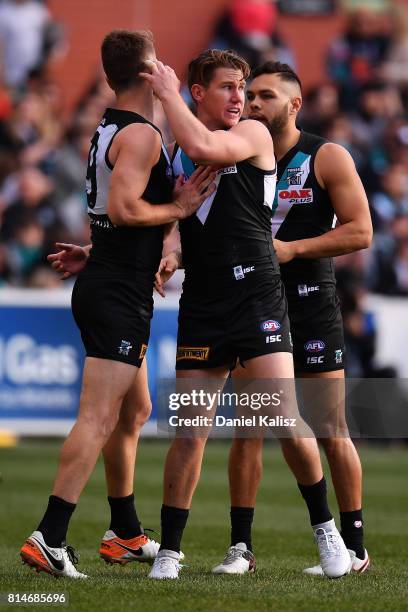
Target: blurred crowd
pixel 361 103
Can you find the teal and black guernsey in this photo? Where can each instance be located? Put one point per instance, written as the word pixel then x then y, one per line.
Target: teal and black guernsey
pixel 233 225
pixel 302 209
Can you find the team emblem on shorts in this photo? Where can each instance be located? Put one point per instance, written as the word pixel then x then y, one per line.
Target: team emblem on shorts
pixel 124 347
pixel 270 326
pixel 200 353
pixel 338 356
pixel 314 346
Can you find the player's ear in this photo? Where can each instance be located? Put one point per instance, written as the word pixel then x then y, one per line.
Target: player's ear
pixel 197 92
pixel 296 105
pixel 147 66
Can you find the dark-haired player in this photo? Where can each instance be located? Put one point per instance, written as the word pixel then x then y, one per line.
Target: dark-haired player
pixel 232 306
pixel 316 182
pixel 128 182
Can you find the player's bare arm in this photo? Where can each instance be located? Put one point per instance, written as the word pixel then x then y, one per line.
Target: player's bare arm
pixel 248 140
pixel 336 172
pixel 134 152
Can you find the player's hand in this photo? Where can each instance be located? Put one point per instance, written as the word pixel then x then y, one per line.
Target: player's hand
pixel 167 268
pixel 162 78
pixel 69 260
pixel 284 250
pixel 190 194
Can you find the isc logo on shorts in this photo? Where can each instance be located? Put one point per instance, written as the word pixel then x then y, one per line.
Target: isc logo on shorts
pixel 275 338
pixel 315 359
pixel 200 353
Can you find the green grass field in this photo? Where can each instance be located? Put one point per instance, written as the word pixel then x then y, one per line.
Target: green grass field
pixel 282 538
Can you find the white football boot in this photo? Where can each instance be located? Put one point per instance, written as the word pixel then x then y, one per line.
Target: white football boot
pixel 335 559
pixel 55 561
pixel 238 560
pixel 166 565
pixel 358 566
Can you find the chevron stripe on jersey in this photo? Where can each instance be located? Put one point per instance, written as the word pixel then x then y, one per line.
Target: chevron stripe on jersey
pixel 302 209
pixel 290 189
pixel 233 225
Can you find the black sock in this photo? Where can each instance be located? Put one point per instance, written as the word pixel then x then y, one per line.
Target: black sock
pixel 124 520
pixel 315 497
pixel 352 531
pixel 54 524
pixel 173 521
pixel 241 524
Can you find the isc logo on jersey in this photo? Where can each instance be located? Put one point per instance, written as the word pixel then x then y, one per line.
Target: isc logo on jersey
pixel 295 196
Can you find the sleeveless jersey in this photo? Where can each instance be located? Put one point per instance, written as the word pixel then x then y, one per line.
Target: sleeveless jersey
pixel 131 251
pixel 302 209
pixel 233 225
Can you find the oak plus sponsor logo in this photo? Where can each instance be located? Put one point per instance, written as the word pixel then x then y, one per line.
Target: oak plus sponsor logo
pixel 338 356
pixel 227 170
pixel 295 196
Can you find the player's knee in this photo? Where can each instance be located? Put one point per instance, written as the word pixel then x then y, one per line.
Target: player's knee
pixel 132 421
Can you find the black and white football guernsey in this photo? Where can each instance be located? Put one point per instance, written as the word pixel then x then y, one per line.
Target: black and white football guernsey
pixel 302 209
pixel 112 299
pixel 123 250
pixel 233 303
pixel 231 230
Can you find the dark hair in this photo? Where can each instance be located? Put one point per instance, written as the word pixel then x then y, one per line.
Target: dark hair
pixel 202 68
pixel 123 53
pixel 285 72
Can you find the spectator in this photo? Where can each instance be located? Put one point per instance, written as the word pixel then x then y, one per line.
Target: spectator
pixel 249 27
pixel 392 201
pixel 353 59
pixel 394 70
pixel 27 37
pixel 321 106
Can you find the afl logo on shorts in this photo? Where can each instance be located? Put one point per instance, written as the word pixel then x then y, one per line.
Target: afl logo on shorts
pixel 270 326
pixel 314 346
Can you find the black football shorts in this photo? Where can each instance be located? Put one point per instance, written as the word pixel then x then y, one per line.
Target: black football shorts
pixel 240 321
pixel 317 329
pixel 113 316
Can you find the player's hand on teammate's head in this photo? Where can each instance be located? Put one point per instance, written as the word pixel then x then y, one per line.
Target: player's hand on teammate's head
pixel 69 260
pixel 162 78
pixel 167 268
pixel 190 194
